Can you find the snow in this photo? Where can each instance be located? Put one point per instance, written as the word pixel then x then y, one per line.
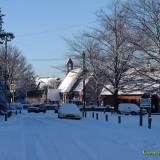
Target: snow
pixel 134 83
pixel 45 81
pixel 31 136
pixel 53 94
pixel 79 87
pixel 120 92
pixel 69 109
pixel 70 80
pixel 14 105
pixel 128 89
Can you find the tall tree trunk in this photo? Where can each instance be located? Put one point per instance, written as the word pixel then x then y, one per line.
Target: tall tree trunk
pixel 115 98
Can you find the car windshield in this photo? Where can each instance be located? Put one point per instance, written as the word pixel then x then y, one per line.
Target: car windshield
pixel 69 108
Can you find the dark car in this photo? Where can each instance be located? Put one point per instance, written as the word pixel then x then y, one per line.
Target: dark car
pixel 37 108
pixel 2 112
pixel 3 108
pixel 56 107
pixel 5 111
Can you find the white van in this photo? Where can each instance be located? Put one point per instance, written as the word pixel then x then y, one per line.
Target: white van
pixel 129 108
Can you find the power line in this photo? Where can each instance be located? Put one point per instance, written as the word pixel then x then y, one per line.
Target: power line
pixel 46 59
pixel 60 68
pixel 48 31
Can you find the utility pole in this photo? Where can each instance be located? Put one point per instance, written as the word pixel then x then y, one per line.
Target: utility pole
pixel 6 65
pixel 1 21
pixel 84 79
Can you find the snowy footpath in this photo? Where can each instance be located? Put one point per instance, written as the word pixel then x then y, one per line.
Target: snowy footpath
pixel 31 136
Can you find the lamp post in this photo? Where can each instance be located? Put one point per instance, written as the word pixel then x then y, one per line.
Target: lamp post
pixel 5 37
pixel 1 22
pixel 84 79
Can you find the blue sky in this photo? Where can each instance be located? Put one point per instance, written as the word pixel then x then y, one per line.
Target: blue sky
pixel 40 26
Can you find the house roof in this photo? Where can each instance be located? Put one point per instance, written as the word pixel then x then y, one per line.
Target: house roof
pixel 79 87
pixel 44 81
pixel 107 92
pixel 70 79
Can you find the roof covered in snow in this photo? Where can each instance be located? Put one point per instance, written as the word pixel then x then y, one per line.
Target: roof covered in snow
pixel 70 79
pixel 132 89
pixel 109 89
pixel 45 81
pixel 136 84
pixel 79 87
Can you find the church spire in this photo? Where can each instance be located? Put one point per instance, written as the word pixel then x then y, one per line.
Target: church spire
pixel 69 65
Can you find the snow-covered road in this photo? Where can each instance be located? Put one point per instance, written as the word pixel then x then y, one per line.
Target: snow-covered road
pixel 45 137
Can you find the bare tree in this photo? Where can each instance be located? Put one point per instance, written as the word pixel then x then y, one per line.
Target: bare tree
pixel 19 72
pixel 145 24
pixel 77 46
pixel 109 55
pixel 120 50
pixel 116 52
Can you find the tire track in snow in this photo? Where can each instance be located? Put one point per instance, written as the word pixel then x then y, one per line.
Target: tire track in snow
pixel 40 140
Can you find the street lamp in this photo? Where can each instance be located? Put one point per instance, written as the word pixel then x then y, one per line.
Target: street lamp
pixel 1 21
pixel 5 37
pixel 84 79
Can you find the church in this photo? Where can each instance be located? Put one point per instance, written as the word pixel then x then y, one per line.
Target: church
pixel 71 88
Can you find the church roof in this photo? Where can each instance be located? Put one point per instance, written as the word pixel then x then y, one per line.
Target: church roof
pixel 70 79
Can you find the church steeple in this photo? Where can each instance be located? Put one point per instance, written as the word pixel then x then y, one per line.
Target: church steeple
pixel 69 65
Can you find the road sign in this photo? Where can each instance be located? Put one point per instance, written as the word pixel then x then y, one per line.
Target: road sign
pixel 12 87
pixel 145 102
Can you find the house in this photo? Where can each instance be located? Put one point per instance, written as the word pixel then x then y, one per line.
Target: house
pixel 34 96
pixel 134 89
pixel 130 97
pixel 48 85
pixel 52 96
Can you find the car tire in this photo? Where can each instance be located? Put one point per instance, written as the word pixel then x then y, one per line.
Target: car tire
pixel 118 112
pixel 59 117
pixel 133 113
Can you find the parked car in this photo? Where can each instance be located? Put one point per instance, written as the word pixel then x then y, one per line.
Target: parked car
pixel 37 108
pixel 130 108
pixel 3 106
pixel 69 110
pixel 26 106
pixel 4 110
pixel 56 108
pixel 49 106
pixel 7 112
pixel 91 105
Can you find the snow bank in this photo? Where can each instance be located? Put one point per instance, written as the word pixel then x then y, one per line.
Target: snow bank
pixel 45 137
